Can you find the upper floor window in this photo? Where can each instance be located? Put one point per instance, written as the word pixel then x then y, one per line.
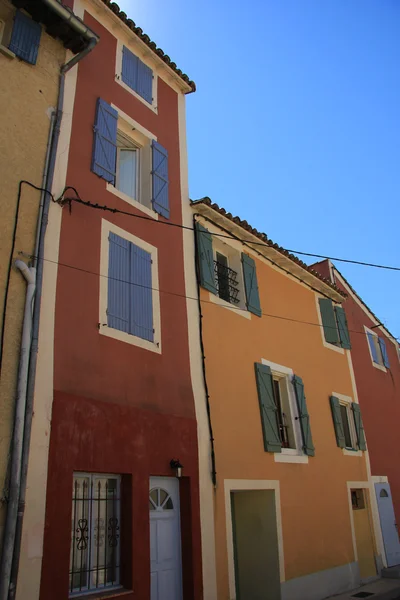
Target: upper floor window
pixel 334 323
pixel 377 349
pixel 22 36
pixel 226 272
pixel 136 77
pixel 129 161
pixel 347 422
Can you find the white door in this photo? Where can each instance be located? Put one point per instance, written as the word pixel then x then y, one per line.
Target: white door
pixel 388 524
pixel 165 539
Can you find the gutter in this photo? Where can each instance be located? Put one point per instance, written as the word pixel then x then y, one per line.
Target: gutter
pixel 29 345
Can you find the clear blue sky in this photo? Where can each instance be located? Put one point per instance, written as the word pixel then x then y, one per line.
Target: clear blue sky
pixel 295 126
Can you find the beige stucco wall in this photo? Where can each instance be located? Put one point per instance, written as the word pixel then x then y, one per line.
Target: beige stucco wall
pixel 27 95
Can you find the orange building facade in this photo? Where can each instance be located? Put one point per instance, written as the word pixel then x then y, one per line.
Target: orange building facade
pixel 293 508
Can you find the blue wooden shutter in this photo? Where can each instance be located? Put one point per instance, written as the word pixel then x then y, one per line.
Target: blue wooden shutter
pixel 205 258
pixel 25 38
pixel 304 417
pixel 141 315
pixel 385 357
pixel 160 198
pixel 251 285
pixel 104 158
pixel 119 292
pixel 328 320
pixel 373 348
pixel 338 422
pixel 342 327
pixel 129 68
pixel 359 426
pixel 137 75
pixel 268 408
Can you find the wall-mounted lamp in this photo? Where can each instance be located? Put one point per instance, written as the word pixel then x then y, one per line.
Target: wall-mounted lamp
pixel 177 467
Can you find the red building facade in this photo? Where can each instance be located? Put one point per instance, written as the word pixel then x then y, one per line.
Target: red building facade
pixel 117 517
pixel 376 364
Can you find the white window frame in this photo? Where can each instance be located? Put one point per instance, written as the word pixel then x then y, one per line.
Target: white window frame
pixel 118 74
pixel 155 346
pixel 333 347
pixel 380 366
pixel 140 138
pixel 348 401
pixel 289 455
pixel 92 479
pixel 125 144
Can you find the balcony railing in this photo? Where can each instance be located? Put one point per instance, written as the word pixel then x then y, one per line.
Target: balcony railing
pixel 227 282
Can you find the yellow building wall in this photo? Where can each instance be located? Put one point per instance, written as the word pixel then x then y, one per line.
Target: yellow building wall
pixel 27 95
pixel 315 507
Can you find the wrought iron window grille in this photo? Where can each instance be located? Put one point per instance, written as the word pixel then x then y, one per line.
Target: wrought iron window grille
pixel 227 282
pixel 95 534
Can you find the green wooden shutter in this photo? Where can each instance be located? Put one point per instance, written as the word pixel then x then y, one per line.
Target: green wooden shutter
pixel 328 320
pixel 359 426
pixel 268 408
pixel 205 258
pixel 338 422
pixel 342 326
pixel 304 417
pixel 250 284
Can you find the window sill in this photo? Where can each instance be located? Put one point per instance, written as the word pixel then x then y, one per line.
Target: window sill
pixel 348 452
pixel 238 310
pixel 105 595
pixel 333 347
pixel 4 50
pixel 290 455
pixel 135 94
pixel 148 211
pixel 130 339
pixel 378 366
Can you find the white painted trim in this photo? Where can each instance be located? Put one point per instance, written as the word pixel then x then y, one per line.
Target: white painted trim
pixel 347 452
pixel 285 457
pixel 118 74
pixel 106 228
pixel 236 309
pixel 379 479
pixel 134 124
pixel 232 485
pixel 144 209
pixel 321 328
pixel 374 364
pixel 279 369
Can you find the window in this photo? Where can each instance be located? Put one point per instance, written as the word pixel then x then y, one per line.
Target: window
pixel 25 38
pixel 357 499
pixel 95 533
pixel 347 422
pixel 227 273
pixel 160 500
pixel 377 348
pixel 137 75
pixel 283 408
pixel 334 324
pixel 130 161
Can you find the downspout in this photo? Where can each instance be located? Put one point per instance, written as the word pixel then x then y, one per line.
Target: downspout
pixel 24 405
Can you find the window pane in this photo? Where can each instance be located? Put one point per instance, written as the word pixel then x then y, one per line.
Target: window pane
pixel 282 418
pixel 127 172
pixel 346 427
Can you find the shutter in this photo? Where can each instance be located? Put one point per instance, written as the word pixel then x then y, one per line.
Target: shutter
pixel 382 345
pixel 25 38
pixel 338 422
pixel 129 72
pixel 342 326
pixel 304 417
pixel 104 158
pixel 328 320
pixel 141 314
pixel 251 286
pixel 205 258
pixel 268 408
pixel 374 351
pixel 118 305
pixel 160 199
pixel 359 426
pixel 137 75
pixel 145 82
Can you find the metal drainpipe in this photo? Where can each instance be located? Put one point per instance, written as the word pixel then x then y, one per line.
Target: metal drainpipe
pixel 16 504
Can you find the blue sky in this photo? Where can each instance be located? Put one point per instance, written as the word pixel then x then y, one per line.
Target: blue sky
pixel 295 126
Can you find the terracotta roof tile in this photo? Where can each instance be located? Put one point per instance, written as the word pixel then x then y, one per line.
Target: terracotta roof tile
pixel 262 236
pixel 145 38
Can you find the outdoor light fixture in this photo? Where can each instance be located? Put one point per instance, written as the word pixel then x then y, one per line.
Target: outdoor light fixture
pixel 176 465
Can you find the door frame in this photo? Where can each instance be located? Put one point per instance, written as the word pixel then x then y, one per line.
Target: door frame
pixel 172 478
pixel 237 485
pixel 383 480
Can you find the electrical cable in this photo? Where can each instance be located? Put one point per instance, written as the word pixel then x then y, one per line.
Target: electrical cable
pixel 10 260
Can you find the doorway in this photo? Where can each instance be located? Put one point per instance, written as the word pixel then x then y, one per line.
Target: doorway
pixel 255 545
pixel 388 524
pixel 363 533
pixel 165 539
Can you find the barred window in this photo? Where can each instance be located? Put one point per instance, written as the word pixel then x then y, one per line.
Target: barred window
pixel 95 533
